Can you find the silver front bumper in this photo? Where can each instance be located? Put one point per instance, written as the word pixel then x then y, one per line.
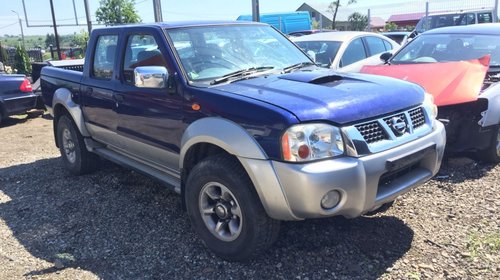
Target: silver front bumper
pixel 357 179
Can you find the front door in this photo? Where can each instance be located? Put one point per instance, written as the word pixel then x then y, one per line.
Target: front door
pixel 150 120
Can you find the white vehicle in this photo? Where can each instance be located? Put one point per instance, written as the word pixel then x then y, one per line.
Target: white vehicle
pixel 346 51
pixel 438 20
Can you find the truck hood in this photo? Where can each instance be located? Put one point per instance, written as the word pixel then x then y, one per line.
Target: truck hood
pixel 449 82
pixel 327 95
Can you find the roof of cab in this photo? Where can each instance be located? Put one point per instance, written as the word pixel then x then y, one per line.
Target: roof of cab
pixel 483 28
pixel 178 24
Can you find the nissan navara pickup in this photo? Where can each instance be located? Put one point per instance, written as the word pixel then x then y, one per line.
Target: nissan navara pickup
pixel 243 125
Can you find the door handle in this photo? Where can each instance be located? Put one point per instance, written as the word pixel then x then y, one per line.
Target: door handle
pixel 118 98
pixel 90 91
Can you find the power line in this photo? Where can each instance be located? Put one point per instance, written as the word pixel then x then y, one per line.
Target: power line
pixel 5 26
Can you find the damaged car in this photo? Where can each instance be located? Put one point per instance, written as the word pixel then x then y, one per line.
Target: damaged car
pixel 460 67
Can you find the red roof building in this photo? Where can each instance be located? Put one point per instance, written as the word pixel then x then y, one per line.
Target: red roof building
pixel 406 19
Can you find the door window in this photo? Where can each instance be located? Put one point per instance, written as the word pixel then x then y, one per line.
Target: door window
pixel 375 45
pixel 104 57
pixel 141 50
pixel 388 46
pixel 353 53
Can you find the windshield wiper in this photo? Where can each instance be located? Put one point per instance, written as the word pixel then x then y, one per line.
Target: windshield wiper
pixel 296 66
pixel 240 74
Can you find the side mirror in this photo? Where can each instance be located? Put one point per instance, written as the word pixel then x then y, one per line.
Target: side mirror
pixel 151 77
pixel 385 57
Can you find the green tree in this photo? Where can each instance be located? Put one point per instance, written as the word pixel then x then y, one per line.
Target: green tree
pixel 334 7
pixel 113 12
pixel 81 39
pixel 4 56
pixel 50 39
pixel 358 21
pixel 22 61
pixel 390 26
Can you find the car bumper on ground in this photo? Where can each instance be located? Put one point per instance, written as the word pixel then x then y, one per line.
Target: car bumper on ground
pixel 363 183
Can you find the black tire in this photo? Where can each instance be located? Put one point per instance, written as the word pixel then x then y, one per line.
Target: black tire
pixel 492 153
pixel 74 154
pixel 255 231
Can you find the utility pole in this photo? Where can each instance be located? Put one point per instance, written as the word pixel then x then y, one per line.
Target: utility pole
pixel 157 10
pixel 369 28
pixel 255 10
pixel 495 11
pixel 87 15
pixel 55 30
pixel 20 25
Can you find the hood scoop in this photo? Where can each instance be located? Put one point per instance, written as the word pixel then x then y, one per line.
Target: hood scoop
pixel 315 77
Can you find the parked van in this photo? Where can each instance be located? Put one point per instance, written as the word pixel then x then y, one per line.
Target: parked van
pixel 285 22
pixel 455 18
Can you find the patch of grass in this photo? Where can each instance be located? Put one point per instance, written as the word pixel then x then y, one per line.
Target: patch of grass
pixel 65 257
pixel 479 244
pixel 413 275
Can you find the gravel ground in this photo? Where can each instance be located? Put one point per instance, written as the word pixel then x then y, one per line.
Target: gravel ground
pixel 117 224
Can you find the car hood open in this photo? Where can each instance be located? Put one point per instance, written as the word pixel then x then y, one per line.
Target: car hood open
pixel 449 82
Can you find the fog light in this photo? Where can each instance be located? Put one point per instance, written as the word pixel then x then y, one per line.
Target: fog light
pixel 330 199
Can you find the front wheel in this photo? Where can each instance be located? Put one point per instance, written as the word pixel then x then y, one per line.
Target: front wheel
pixel 225 210
pixel 492 153
pixel 74 154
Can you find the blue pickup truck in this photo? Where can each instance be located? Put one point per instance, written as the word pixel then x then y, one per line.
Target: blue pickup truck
pixel 243 125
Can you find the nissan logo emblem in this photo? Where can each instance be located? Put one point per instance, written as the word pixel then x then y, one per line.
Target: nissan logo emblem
pixel 398 125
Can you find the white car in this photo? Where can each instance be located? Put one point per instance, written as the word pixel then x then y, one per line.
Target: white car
pixel 346 51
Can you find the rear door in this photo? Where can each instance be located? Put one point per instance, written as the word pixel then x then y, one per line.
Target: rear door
pixel 150 120
pixel 98 86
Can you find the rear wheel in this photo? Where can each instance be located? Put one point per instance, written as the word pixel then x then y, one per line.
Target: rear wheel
pixel 75 156
pixel 225 210
pixel 492 153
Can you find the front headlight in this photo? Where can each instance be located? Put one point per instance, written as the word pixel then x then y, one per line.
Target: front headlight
pixel 306 142
pixel 430 106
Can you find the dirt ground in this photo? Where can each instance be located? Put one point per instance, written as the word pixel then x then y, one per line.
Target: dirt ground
pixel 117 224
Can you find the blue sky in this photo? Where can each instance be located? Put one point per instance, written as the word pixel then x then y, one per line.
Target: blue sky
pixel 38 11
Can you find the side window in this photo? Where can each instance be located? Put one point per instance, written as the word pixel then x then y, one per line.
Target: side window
pixel 141 50
pixel 354 52
pixel 104 57
pixel 484 17
pixel 375 45
pixel 471 19
pixel 388 46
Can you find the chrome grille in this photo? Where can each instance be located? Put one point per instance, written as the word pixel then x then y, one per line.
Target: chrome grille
pixel 381 129
pixel 388 119
pixel 417 117
pixel 372 132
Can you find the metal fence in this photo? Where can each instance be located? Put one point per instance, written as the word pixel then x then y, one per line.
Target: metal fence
pixel 407 15
pixel 35 55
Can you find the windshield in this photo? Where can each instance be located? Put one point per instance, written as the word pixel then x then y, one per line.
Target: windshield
pixel 208 53
pixel 449 47
pixel 324 51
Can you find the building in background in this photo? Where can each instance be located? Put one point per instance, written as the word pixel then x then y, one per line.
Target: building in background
pixel 320 14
